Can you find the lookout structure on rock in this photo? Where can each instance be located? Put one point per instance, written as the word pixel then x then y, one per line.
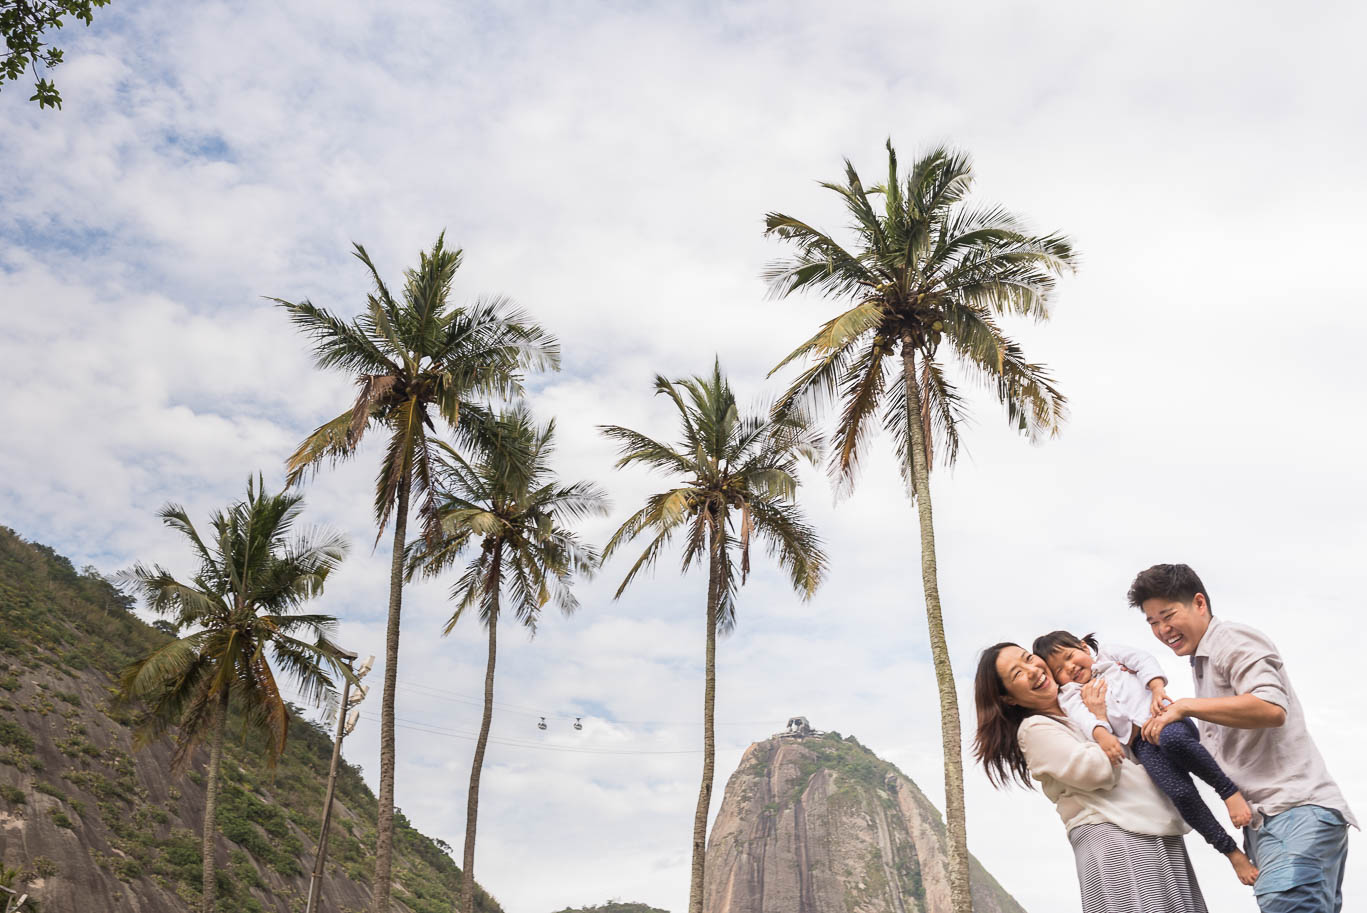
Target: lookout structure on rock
pixel 798 728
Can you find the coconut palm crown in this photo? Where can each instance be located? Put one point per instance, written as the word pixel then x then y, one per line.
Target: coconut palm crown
pixel 928 279
pixel 415 357
pixel 243 603
pixel 507 506
pixel 735 481
pixel 926 282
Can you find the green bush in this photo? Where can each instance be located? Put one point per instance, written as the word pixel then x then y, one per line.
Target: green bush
pixel 60 819
pixel 50 790
pixel 13 735
pixel 13 794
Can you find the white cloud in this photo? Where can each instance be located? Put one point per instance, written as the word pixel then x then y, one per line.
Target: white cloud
pixel 608 167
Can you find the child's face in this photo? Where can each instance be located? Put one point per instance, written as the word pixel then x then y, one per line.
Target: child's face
pixel 1071 665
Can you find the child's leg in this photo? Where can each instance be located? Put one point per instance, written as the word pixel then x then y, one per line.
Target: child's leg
pixel 1176 783
pixel 1181 742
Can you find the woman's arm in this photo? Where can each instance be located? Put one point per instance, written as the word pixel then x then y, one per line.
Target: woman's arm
pixel 1052 749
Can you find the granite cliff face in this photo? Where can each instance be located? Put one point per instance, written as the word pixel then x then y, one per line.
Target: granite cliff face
pixel 818 824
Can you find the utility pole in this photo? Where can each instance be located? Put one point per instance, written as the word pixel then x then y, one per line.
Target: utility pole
pixel 345 723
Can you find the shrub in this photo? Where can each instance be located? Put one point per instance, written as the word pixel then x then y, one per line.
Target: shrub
pixel 13 735
pixel 50 790
pixel 60 819
pixel 13 794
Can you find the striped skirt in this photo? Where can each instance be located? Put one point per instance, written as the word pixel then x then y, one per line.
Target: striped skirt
pixel 1121 872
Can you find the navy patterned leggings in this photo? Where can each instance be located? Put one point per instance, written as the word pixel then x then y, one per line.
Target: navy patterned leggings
pixel 1179 754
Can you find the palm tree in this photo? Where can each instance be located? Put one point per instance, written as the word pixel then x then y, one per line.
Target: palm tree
pixel 412 357
pixel 928 277
pixel 253 579
pixel 508 501
pixel 736 479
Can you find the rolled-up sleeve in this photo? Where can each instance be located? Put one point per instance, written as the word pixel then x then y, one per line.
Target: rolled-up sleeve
pixel 1252 665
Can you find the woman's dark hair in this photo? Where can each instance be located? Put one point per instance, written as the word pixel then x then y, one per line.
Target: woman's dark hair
pixel 1046 645
pixel 996 745
pixel 1173 582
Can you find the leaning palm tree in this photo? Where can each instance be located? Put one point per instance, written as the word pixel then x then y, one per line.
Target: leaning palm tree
pixel 415 359
pixel 507 502
pixel 245 597
pixel 736 479
pixel 928 277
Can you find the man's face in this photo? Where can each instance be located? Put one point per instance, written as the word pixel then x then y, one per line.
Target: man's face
pixel 1180 625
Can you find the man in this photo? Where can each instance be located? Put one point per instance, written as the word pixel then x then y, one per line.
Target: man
pixel 1252 722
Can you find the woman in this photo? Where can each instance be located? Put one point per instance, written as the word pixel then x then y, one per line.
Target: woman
pixel 1125 833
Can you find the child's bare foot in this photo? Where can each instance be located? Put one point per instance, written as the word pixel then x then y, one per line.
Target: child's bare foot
pixel 1239 812
pixel 1246 870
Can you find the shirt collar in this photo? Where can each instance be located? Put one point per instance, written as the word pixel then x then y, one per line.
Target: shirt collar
pixel 1203 648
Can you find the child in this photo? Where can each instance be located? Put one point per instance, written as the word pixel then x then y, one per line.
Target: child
pixel 1133 688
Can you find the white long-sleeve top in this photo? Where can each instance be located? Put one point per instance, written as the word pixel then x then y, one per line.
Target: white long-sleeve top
pixel 1086 787
pixel 1129 703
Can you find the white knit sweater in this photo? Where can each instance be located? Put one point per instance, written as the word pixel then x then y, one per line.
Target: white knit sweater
pixel 1086 787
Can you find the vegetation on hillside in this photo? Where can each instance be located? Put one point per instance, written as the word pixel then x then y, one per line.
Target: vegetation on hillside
pixel 64 636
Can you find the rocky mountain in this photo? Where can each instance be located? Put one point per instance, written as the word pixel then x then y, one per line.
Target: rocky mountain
pixel 816 823
pixel 89 824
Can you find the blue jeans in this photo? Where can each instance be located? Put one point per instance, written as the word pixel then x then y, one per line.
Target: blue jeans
pixel 1300 855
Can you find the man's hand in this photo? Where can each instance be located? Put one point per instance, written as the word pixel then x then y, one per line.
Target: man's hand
pixel 1160 697
pixel 1094 697
pixel 1109 744
pixel 1171 713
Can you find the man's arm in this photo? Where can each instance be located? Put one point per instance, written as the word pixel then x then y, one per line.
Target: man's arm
pixel 1254 669
pixel 1242 711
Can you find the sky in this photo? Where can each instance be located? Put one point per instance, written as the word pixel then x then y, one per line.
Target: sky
pixel 608 167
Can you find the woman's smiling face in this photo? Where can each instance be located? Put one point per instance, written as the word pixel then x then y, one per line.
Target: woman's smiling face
pixel 1026 679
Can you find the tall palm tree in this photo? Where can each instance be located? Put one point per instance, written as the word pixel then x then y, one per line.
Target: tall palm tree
pixel 927 278
pixel 508 502
pixel 415 359
pixel 736 479
pixel 245 597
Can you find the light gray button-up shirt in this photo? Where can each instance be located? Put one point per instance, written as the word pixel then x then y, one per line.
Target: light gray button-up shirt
pixel 1278 768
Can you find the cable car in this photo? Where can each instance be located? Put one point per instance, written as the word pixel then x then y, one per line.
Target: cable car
pixel 577 724
pixel 542 724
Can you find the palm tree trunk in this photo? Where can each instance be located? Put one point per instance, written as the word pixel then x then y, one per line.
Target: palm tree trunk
pixel 209 902
pixel 467 885
pixel 384 824
pixel 709 742
pixel 955 819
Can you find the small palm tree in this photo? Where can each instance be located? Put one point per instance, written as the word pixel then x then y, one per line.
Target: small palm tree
pixel 928 278
pixel 246 596
pixel 415 359
pixel 736 480
pixel 507 501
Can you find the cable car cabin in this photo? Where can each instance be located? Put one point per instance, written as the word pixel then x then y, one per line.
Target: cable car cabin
pixel 798 727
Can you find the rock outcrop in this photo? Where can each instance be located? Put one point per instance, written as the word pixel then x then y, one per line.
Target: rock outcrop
pixel 814 823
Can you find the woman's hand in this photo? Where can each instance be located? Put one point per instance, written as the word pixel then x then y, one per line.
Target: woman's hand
pixel 1109 744
pixel 1094 696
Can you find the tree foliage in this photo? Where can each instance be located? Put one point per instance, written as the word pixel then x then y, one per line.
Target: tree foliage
pixel 737 482
pixel 928 278
pixel 245 599
pixel 507 505
pixel 24 25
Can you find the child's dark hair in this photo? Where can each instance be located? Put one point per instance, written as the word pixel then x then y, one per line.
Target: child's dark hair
pixel 1173 582
pixel 1046 645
